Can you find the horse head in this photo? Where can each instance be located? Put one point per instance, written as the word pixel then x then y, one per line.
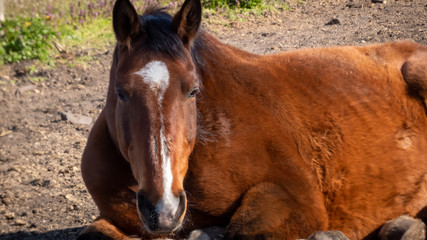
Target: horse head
pixel 155 84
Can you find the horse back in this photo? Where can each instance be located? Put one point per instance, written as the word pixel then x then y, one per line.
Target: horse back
pixel 358 116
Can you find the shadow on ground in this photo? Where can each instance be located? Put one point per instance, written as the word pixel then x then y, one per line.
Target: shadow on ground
pixel 63 234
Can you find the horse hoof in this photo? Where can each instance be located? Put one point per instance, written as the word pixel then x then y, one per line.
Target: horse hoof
pixel 403 228
pixel 328 235
pixel 211 233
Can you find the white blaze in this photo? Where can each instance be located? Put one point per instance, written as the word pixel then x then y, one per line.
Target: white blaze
pixel 156 75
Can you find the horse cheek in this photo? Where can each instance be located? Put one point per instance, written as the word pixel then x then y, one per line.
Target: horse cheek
pixel 122 130
pixel 191 126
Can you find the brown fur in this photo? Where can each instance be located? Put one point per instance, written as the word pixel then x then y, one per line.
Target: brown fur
pixel 288 144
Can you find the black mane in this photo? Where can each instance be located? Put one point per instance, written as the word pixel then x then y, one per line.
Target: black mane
pixel 158 35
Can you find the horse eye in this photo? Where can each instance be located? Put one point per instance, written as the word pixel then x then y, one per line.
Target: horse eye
pixel 123 95
pixel 193 93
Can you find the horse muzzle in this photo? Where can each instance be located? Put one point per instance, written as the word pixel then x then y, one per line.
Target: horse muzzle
pixel 164 216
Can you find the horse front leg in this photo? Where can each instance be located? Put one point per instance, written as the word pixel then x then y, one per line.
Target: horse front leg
pixel 107 177
pixel 268 211
pixel 102 229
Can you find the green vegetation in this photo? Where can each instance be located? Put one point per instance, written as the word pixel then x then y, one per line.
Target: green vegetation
pixel 22 39
pixel 95 34
pixel 218 4
pixel 85 25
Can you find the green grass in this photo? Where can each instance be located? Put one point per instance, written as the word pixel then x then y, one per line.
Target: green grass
pixel 244 4
pixel 37 79
pixel 228 15
pixel 32 26
pixel 30 8
pixel 94 35
pixel 23 39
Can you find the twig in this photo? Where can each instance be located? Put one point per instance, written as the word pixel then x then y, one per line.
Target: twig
pixel 59 47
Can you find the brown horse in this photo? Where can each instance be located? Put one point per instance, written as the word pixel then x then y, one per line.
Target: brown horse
pixel 196 133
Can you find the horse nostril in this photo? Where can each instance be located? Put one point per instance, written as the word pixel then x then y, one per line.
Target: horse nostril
pixel 182 205
pixel 148 211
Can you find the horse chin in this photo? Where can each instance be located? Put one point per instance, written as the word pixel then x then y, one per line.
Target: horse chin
pixel 177 228
pixel 161 231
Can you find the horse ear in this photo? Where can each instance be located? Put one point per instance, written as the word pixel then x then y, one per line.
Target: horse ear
pixel 125 22
pixel 187 21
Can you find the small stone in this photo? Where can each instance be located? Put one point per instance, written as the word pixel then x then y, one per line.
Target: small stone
pixel 19 222
pixel 24 89
pixel 4 77
pixel 334 21
pixel 79 86
pixel 45 183
pixel 76 118
pixel 4 132
pixel 5 198
pixel 35 182
pixel 12 169
pixel 354 5
pixel 37 153
pixel 10 215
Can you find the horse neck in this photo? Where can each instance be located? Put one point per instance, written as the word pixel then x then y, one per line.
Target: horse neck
pixel 221 67
pixel 220 71
pixel 209 53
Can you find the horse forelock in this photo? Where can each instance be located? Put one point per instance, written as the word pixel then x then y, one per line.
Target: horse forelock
pixel 158 36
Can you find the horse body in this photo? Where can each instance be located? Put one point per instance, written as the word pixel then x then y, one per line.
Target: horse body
pixel 339 126
pixel 344 112
pixel 286 144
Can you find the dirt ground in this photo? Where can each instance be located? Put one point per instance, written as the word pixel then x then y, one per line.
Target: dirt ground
pixel 42 195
